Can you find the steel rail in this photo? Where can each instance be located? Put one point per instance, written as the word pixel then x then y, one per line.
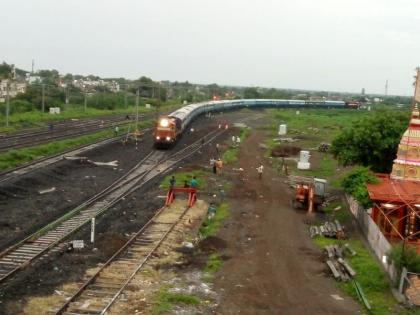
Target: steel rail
pixel 58 222
pixel 67 134
pixel 11 256
pixel 60 126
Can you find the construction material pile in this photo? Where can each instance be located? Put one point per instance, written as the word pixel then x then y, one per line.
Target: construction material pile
pixel 328 229
pixel 340 268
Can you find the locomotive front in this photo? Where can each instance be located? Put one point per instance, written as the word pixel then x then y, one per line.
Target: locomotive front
pixel 165 131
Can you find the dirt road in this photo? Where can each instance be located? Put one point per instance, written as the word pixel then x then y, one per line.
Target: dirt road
pixel 272 267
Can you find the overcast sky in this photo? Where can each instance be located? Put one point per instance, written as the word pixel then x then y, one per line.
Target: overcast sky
pixel 336 45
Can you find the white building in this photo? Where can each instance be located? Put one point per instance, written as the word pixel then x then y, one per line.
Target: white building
pixel 14 89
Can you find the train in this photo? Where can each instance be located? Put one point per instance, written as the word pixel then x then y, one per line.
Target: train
pixel 169 128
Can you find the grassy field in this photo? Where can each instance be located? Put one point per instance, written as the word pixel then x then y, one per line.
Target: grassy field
pixel 14 158
pixel 181 177
pixel 230 155
pixel 37 119
pixel 372 279
pixel 311 127
pixel 165 300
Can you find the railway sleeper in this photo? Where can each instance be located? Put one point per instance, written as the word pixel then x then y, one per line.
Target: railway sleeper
pixel 83 311
pixel 101 292
pixel 29 251
pixel 107 286
pixel 18 256
pixel 14 259
pixel 105 278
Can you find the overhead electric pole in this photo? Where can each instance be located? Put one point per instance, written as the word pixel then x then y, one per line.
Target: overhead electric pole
pixel 386 87
pixel 7 103
pixel 43 98
pixel 85 107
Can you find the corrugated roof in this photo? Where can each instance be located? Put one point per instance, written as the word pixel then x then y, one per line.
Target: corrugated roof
pixel 388 189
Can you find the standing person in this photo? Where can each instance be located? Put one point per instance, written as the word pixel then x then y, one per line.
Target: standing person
pixel 219 166
pixel 213 165
pixel 217 149
pixel 194 183
pixel 211 211
pixel 172 182
pixel 233 139
pixel 116 130
pixel 238 140
pixel 186 185
pixel 260 170
pixel 221 195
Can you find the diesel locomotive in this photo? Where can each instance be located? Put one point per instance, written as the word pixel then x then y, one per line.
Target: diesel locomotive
pixel 168 128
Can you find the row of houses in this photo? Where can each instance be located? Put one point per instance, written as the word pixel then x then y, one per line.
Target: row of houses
pixel 14 88
pixel 88 85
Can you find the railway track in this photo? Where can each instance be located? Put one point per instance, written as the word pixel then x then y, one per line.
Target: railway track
pixel 42 162
pixel 36 245
pixel 18 141
pixel 100 291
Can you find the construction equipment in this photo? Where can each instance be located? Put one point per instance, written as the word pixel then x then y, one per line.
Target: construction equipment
pixel 309 192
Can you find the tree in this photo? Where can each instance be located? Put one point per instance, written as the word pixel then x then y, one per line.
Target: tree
pixel 251 92
pixel 355 184
pixel 372 141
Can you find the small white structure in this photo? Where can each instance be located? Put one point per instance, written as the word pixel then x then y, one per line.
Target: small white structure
pixel 303 163
pixel 54 110
pixel 297 112
pixel 148 106
pixel 282 129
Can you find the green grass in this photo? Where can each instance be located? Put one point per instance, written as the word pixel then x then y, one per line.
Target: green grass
pixel 38 119
pixel 372 279
pixel 343 215
pixel 14 158
pixel 165 300
pixel 329 122
pixel 212 226
pixel 325 169
pixel 181 177
pixel 213 265
pixel 231 155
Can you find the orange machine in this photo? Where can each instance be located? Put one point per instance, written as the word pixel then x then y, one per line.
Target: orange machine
pixel 166 131
pixel 309 194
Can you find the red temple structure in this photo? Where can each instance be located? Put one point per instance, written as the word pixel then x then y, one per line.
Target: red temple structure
pixel 396 198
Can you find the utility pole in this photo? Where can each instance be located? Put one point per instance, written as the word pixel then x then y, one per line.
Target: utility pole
pixel 158 102
pixel 7 103
pixel 67 95
pixel 125 96
pixel 137 115
pixel 85 101
pixel 386 87
pixel 43 98
pixel 137 97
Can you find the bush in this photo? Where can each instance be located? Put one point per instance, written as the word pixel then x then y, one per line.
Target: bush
pixel 355 184
pixel 405 256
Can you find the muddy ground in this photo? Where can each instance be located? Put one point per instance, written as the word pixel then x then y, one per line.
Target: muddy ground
pixel 270 264
pixel 27 210
pixel 274 267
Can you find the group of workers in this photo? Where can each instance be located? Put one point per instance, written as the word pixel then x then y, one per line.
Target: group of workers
pixel 192 184
pixel 216 165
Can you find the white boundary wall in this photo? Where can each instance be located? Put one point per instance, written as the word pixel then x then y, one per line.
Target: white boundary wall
pixel 377 241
